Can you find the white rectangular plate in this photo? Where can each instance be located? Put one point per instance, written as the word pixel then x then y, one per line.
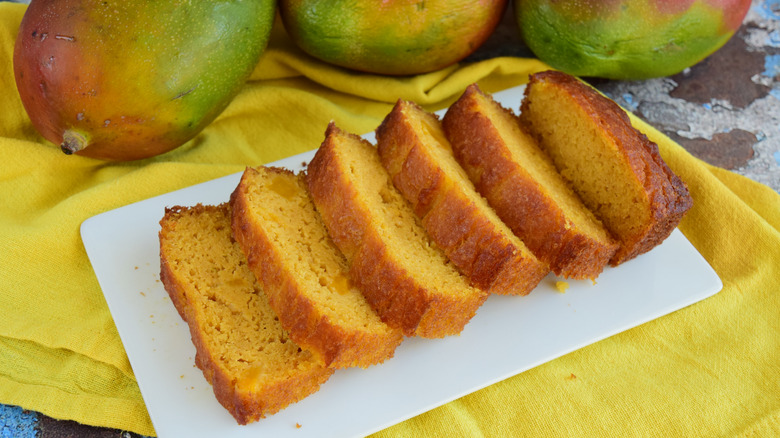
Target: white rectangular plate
pixel 507 336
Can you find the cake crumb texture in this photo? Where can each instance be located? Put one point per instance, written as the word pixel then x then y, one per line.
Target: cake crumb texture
pixel 303 273
pixel 615 169
pixel 414 150
pixel 254 367
pixel 523 186
pixel 405 276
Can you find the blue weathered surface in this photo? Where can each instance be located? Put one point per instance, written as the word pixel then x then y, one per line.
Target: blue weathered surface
pixel 16 422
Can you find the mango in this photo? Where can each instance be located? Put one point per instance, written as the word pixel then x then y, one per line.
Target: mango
pixel 627 39
pixel 391 37
pixel 131 79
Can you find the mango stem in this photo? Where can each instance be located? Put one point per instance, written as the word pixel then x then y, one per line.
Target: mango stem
pixel 72 142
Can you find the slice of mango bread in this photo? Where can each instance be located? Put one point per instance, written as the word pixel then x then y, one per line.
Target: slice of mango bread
pixel 616 170
pixel 403 274
pixel 419 159
pixel 303 272
pixel 521 183
pixel 254 367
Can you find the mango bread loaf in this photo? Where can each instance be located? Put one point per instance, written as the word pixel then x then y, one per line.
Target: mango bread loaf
pixel 405 276
pixel 418 157
pixel 522 185
pixel 616 170
pixel 303 273
pixel 243 351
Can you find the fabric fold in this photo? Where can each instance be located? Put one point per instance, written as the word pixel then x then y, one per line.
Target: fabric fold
pixel 706 370
pixel 32 374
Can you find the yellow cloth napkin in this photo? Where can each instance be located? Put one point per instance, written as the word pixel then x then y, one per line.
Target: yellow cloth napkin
pixel 710 369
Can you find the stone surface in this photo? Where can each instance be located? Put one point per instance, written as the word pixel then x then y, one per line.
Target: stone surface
pixel 51 428
pixel 725 75
pixel 16 422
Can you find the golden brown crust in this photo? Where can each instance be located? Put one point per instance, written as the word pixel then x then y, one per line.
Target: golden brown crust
pixel 175 292
pixel 473 238
pixel 246 405
pixel 520 201
pixel 413 173
pixel 391 288
pixel 667 194
pixel 335 345
pixel 336 198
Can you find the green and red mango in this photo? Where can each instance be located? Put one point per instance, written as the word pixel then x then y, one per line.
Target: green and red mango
pixel 130 79
pixel 394 37
pixel 627 39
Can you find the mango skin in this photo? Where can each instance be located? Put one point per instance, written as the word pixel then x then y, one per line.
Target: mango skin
pixel 131 79
pixel 390 37
pixel 627 39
